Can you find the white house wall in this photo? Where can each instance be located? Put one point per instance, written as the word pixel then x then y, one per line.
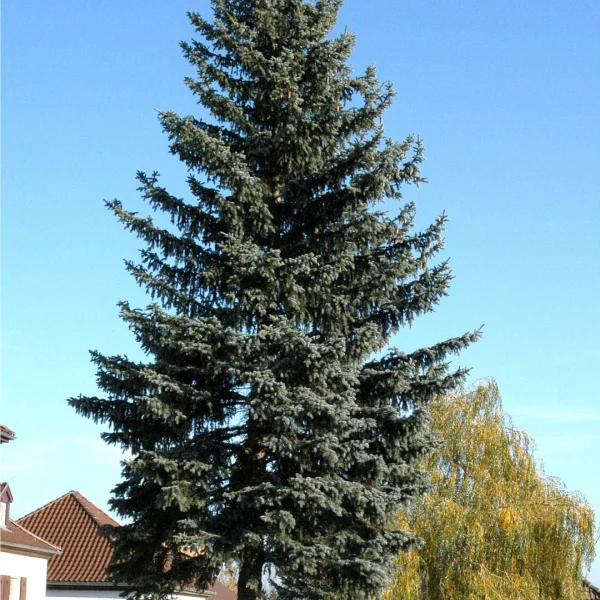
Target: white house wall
pixel 20 565
pixel 99 595
pixel 82 594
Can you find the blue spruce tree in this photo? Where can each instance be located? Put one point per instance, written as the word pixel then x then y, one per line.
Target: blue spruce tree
pixel 262 427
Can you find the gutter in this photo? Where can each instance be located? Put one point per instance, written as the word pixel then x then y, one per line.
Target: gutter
pixel 32 549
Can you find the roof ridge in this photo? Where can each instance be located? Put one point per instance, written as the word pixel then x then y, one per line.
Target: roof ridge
pixel 37 537
pixel 37 510
pixel 587 582
pixel 8 431
pixel 79 497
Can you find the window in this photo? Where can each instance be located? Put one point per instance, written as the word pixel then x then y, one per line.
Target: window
pixel 13 588
pixel 3 512
pixel 4 587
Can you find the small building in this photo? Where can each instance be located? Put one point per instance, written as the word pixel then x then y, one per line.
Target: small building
pixel 591 592
pixel 24 556
pixel 6 434
pixel 73 523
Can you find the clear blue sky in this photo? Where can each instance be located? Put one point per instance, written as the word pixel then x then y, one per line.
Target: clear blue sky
pixel 506 95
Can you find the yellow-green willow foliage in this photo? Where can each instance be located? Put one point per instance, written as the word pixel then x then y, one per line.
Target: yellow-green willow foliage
pixel 493 526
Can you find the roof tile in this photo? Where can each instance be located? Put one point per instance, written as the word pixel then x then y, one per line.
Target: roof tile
pixel 6 434
pixel 72 523
pixel 16 535
pixel 591 592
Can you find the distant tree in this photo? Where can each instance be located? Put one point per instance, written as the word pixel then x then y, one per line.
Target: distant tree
pixel 493 526
pixel 262 427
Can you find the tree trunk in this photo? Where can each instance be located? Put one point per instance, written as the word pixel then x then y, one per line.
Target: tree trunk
pixel 250 571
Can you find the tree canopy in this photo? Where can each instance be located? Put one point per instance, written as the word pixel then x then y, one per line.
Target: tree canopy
pixel 493 525
pixel 264 427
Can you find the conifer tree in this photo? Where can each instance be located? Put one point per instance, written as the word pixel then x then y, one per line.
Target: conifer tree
pixel 263 428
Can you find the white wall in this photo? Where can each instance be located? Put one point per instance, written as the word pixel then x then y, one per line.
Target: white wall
pixel 100 594
pixel 83 594
pixel 19 565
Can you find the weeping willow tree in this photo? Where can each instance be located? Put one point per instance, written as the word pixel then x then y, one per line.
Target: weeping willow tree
pixel 494 526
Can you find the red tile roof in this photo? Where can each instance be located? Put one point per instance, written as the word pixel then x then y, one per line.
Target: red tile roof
pixel 223 592
pixel 16 537
pixel 72 522
pixel 6 434
pixel 591 592
pixel 5 492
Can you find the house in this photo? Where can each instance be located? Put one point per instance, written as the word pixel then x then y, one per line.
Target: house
pixel 591 592
pixel 23 555
pixel 6 434
pixel 57 551
pixel 73 523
